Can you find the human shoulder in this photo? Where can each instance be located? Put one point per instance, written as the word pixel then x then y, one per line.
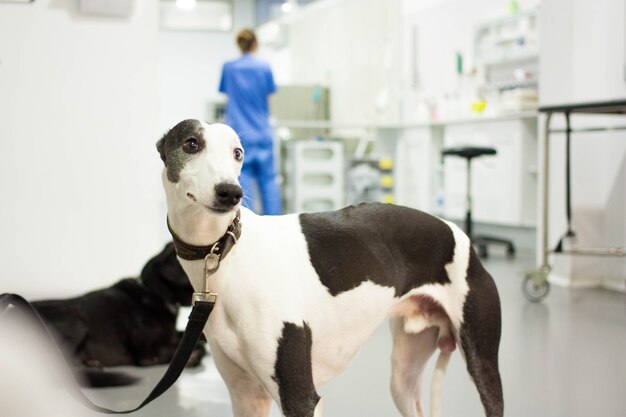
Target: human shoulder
pixel 255 60
pixel 263 63
pixel 263 66
pixel 230 63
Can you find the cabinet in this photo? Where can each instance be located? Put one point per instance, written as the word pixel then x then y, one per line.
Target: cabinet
pixel 316 173
pixel 507 55
pixel 503 186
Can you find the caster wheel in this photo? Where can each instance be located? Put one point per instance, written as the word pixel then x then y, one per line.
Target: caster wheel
pixel 483 253
pixel 535 286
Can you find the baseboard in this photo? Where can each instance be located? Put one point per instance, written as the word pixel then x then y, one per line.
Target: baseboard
pixel 524 238
pixel 577 283
pixel 614 286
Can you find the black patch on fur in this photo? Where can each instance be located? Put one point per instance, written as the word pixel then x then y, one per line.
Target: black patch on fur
pixel 392 246
pixel 170 146
pixel 293 372
pixel 480 336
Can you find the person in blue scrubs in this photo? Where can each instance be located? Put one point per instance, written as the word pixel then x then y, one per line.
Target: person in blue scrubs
pixel 248 82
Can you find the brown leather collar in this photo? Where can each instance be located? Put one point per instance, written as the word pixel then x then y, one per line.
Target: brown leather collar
pixel 219 248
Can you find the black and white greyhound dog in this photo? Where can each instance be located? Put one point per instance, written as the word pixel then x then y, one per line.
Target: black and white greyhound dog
pixel 299 294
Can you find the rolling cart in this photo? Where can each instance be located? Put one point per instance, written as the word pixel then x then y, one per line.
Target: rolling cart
pixel 535 285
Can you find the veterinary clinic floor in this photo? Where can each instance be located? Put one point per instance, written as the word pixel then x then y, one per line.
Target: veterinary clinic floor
pixel 563 357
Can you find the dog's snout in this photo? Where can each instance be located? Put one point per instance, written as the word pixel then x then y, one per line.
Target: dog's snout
pixel 228 194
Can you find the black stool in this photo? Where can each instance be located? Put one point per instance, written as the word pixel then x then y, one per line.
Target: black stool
pixel 469 152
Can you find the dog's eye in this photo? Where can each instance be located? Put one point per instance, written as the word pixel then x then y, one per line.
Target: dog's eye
pixel 238 154
pixel 191 145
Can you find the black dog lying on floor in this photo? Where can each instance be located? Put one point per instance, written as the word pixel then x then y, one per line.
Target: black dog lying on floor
pixel 132 322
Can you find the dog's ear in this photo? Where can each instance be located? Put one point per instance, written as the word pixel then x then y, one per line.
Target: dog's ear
pixel 160 145
pixel 165 277
pixel 165 266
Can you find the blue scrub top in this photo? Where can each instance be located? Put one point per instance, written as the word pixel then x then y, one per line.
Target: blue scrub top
pixel 248 82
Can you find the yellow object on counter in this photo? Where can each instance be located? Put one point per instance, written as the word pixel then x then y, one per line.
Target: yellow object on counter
pixel 479 106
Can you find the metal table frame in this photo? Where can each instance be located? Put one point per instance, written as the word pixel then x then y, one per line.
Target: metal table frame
pixel 535 285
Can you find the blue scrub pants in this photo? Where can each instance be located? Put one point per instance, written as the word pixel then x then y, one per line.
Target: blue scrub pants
pixel 258 167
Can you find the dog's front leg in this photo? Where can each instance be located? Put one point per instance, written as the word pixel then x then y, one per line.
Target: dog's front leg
pixel 293 373
pixel 248 396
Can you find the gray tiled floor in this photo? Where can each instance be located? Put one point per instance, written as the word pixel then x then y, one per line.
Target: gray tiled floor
pixel 563 357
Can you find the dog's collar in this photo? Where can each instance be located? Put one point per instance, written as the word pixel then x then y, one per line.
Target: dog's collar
pixel 219 248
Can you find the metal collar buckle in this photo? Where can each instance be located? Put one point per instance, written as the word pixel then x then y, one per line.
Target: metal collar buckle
pixel 211 265
pixel 204 297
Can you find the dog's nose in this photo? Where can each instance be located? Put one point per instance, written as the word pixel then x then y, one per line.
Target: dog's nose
pixel 228 194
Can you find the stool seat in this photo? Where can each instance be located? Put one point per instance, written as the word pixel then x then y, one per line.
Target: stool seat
pixel 469 152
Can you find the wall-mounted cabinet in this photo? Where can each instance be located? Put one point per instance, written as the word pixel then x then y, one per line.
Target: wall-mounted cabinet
pixel 506 40
pixel 506 53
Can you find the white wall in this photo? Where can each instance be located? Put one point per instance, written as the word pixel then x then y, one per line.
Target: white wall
pixel 190 65
pixel 351 46
pixel 583 51
pixel 79 174
pixel 582 60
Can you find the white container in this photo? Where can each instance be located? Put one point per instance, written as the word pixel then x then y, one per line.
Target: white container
pixel 316 176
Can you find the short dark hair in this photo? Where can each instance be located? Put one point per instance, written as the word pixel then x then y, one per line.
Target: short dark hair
pixel 246 40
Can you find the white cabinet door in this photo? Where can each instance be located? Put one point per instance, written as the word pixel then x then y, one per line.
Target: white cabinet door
pixel 415 156
pixel 496 180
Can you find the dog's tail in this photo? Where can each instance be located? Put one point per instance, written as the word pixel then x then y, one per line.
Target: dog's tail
pixel 97 378
pixel 437 382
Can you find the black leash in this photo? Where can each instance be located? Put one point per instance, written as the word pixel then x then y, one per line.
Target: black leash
pixel 200 312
